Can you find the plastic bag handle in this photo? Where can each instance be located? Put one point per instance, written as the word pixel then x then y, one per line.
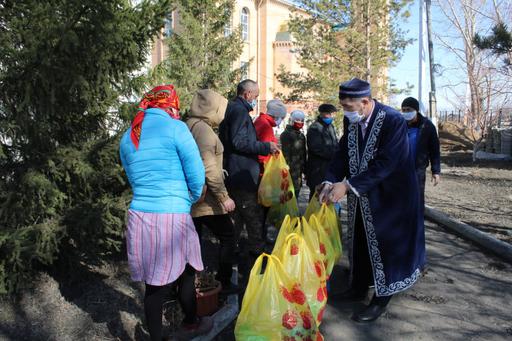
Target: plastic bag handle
pixel 291 236
pixel 256 269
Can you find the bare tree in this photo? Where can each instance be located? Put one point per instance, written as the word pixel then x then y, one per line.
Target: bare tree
pixel 487 86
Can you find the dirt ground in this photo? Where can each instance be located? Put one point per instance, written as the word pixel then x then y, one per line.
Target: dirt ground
pixel 465 294
pixel 477 193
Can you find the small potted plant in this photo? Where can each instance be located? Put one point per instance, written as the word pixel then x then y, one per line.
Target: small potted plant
pixel 207 293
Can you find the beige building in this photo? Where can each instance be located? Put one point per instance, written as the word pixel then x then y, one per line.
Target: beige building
pixel 267 44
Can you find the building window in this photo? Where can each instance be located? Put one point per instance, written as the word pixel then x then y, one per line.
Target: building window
pixel 168 26
pixel 244 19
pixel 227 29
pixel 244 67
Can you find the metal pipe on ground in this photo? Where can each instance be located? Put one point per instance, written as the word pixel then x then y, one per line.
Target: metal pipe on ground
pixel 484 240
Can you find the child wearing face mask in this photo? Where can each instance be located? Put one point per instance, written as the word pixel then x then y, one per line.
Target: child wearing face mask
pixel 265 124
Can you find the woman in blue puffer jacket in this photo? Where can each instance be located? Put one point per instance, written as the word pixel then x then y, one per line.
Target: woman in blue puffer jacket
pixel 166 173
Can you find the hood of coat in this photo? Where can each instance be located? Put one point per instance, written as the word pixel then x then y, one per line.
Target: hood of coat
pixel 208 106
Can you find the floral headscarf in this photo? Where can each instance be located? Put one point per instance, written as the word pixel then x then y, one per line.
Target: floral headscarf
pixel 162 97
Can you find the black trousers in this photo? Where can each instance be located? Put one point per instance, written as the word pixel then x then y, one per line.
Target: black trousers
pixel 222 228
pixel 362 272
pixel 154 299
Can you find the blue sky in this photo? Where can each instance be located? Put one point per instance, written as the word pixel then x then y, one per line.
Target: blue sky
pixel 408 67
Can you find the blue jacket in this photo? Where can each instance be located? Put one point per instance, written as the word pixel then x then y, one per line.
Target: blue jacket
pixel 241 147
pixel 166 172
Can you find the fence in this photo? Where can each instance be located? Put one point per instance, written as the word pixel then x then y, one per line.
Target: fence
pixel 494 118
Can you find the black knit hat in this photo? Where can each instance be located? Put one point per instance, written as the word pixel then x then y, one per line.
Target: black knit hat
pixel 327 108
pixel 411 102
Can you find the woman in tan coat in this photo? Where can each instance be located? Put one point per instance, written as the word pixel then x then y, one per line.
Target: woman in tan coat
pixel 206 112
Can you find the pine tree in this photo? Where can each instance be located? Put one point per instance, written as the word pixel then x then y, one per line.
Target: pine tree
pixel 499 42
pixel 342 39
pixel 64 66
pixel 201 54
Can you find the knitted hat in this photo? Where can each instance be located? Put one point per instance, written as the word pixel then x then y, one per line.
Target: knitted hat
pixel 297 115
pixel 411 102
pixel 276 108
pixel 327 108
pixel 355 88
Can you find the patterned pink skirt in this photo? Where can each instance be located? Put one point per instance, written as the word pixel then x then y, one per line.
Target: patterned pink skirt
pixel 160 245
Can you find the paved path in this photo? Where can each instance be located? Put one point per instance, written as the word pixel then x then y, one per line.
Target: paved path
pixel 465 294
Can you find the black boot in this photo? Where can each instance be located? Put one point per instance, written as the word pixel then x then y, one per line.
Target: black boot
pixel 371 313
pixel 350 295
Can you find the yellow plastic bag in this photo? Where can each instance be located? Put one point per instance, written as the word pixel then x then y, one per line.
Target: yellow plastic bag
pixel 313 206
pixel 276 186
pixel 289 225
pixel 328 219
pixel 299 226
pixel 326 249
pixel 277 213
pixel 303 265
pixel 274 307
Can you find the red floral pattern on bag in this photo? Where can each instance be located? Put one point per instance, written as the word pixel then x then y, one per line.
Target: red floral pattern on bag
pixel 294 250
pixel 298 295
pixel 322 249
pixel 307 319
pixel 320 295
pixel 287 295
pixel 320 315
pixel 290 319
pixel 318 268
pixel 288 338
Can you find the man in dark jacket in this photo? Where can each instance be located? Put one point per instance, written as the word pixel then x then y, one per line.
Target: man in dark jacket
pixel 423 144
pixel 241 150
pixel 293 143
pixel 322 143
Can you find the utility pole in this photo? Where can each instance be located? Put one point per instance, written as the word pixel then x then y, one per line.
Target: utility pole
pixel 432 94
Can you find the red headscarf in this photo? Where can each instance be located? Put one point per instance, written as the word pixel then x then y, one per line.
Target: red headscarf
pixel 162 97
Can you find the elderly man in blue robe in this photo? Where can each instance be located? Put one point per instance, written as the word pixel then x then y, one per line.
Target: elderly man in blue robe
pixel 373 167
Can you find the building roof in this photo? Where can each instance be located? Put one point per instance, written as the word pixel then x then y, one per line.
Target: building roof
pixel 290 4
pixel 283 36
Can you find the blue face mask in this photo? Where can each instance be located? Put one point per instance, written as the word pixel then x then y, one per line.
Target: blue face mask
pixel 253 103
pixel 327 120
pixel 409 115
pixel 278 121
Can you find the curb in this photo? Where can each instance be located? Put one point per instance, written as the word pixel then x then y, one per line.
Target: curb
pixel 484 240
pixel 224 316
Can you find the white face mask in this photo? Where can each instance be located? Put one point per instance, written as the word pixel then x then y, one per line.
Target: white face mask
pixel 353 116
pixel 409 115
